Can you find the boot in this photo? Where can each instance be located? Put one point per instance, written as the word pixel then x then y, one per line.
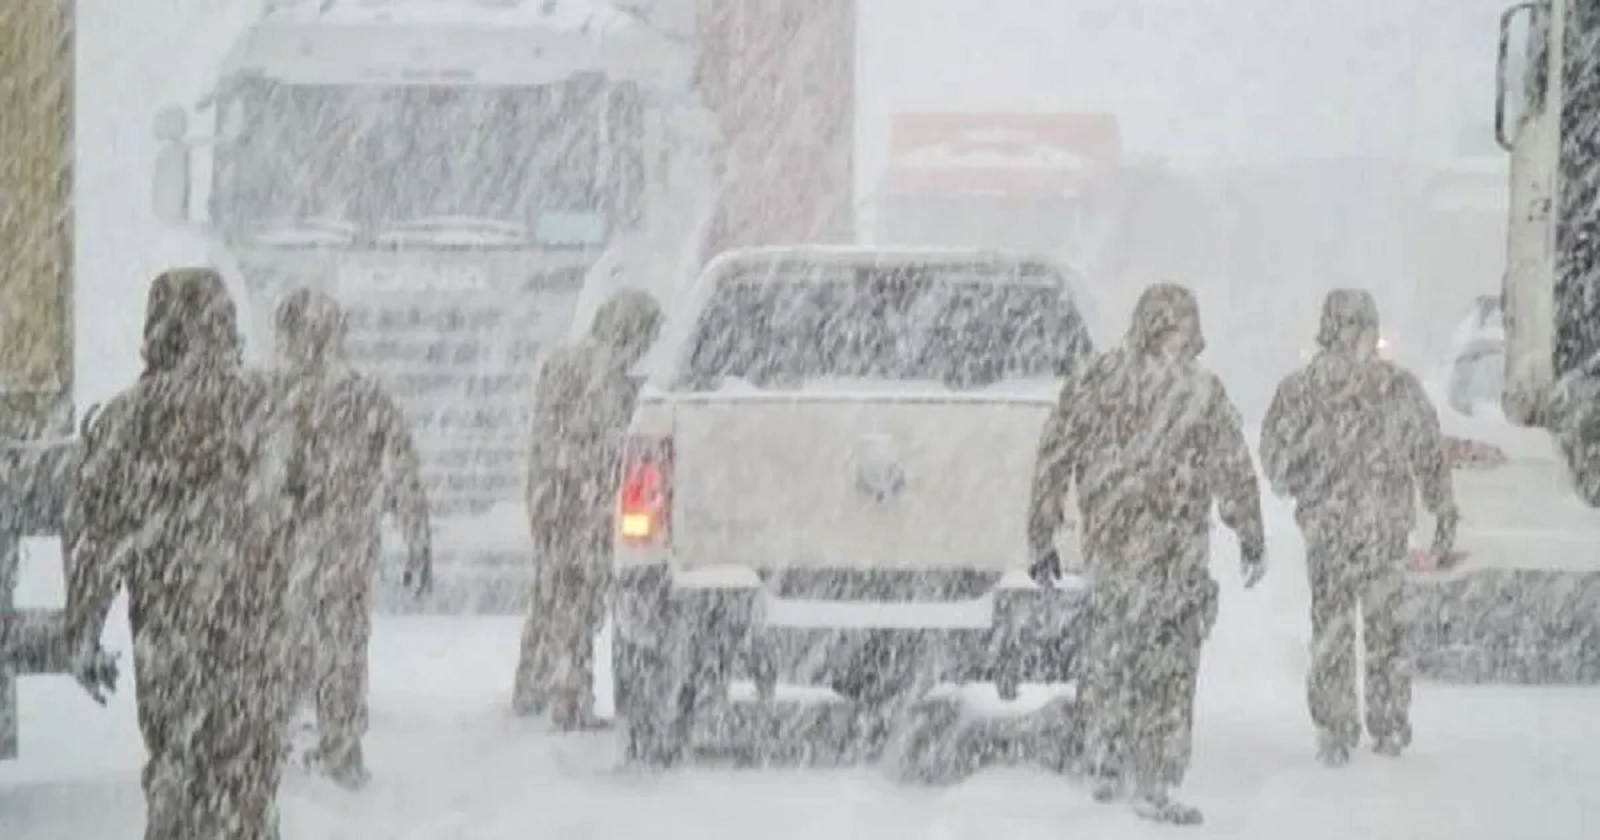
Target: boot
pixel 344 766
pixel 1106 785
pixel 1389 746
pixel 581 722
pixel 1157 805
pixel 1332 750
pixel 1107 790
pixel 527 701
pixel 574 715
pixel 350 777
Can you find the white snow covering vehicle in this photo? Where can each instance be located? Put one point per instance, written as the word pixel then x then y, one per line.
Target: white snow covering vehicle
pixel 469 179
pixel 1516 501
pixel 831 478
pixel 1514 605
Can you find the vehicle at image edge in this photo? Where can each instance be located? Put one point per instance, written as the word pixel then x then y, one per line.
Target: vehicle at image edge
pixel 1548 99
pixel 1519 515
pixel 1529 609
pixel 350 155
pixel 1517 505
pixel 38 449
pixel 828 481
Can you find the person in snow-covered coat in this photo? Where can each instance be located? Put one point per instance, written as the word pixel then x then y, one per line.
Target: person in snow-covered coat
pixel 1351 437
pixel 352 461
pixel 583 403
pixel 180 493
pixel 1149 439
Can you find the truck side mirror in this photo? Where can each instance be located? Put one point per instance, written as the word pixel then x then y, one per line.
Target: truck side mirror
pixel 1529 71
pixel 170 184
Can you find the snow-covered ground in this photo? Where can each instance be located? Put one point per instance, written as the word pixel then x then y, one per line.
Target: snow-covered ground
pixel 449 760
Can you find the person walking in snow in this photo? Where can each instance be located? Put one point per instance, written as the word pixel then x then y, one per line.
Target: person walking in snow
pixel 1150 440
pixel 1350 437
pixel 180 497
pixel 352 461
pixel 583 403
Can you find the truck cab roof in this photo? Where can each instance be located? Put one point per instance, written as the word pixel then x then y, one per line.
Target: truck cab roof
pixel 425 42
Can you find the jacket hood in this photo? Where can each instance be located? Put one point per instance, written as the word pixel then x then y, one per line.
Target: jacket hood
pixel 1166 321
pixel 310 328
pixel 627 324
pixel 1349 322
pixel 189 315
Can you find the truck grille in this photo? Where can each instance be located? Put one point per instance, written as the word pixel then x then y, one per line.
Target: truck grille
pixel 460 362
pixel 464 381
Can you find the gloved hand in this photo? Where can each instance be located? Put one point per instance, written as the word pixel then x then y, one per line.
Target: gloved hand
pixel 1252 563
pixel 96 671
pixel 1444 532
pixel 1046 568
pixel 418 575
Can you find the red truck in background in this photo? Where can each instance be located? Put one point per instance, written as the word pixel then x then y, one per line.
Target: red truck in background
pixel 1032 182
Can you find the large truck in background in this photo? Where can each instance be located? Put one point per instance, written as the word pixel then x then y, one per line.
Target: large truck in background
pixel 470 179
pixel 1547 103
pixel 454 174
pixel 1526 605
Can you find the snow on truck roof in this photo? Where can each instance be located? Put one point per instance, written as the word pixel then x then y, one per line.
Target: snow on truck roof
pixel 571 15
pixel 860 255
pixel 453 42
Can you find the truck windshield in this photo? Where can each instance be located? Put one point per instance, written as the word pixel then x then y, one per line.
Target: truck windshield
pixel 960 325
pixel 385 156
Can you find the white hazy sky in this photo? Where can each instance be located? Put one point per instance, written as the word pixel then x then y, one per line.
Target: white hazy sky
pixel 1189 79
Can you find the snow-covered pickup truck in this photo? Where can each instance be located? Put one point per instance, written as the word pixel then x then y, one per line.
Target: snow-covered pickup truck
pixel 828 483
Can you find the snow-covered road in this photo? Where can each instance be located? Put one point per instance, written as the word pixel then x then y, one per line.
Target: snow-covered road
pixel 449 761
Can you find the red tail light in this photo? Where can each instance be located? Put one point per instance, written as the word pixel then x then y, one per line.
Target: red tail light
pixel 644 506
pixel 1463 454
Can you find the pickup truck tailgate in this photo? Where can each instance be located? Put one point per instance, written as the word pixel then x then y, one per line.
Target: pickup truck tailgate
pixel 828 483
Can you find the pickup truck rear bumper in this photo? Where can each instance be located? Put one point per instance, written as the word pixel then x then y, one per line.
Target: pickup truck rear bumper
pixel 731 626
pixel 1518 626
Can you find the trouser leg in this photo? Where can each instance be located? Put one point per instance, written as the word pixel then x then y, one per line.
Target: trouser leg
pixel 1169 655
pixel 245 769
pixel 1388 677
pixel 530 694
pixel 583 590
pixel 1331 683
pixel 1107 695
pixel 169 781
pixel 167 717
pixel 344 624
pixel 342 712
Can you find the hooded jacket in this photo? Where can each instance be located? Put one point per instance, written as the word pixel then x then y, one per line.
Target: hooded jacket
pixel 1351 437
pixel 179 493
pixel 1149 440
pixel 353 459
pixel 583 402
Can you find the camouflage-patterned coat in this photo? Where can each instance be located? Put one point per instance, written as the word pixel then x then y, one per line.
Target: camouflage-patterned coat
pixel 1150 440
pixel 1352 437
pixel 352 461
pixel 583 402
pixel 180 492
pixel 353 456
